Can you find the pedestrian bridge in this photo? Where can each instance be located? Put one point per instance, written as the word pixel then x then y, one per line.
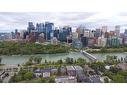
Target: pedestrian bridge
pixel 88 55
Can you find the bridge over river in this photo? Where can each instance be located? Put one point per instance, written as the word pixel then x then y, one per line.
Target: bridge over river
pixel 88 55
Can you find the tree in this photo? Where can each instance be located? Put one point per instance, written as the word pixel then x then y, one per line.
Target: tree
pixel 37 60
pixel 69 60
pixel 52 79
pixel 28 75
pixel 118 78
pixel 114 69
pixel 81 61
pixel 60 61
pixel 98 66
pixel 31 59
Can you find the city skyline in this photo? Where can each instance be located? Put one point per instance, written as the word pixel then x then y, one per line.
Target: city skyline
pixel 19 20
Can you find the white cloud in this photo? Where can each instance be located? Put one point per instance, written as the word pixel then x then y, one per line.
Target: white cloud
pixel 12 20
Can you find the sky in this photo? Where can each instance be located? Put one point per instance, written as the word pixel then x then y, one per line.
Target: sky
pixel 91 20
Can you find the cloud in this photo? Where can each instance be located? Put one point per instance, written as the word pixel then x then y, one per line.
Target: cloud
pixel 12 20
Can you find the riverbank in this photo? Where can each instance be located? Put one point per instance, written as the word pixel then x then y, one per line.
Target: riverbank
pixel 107 50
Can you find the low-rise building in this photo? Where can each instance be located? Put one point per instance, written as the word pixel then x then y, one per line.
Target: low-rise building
pixel 54 71
pixel 122 66
pixel 71 71
pixel 38 73
pixel 66 79
pixel 88 70
pixel 54 41
pixel 95 79
pixel 46 73
pixel 63 71
pixel 79 70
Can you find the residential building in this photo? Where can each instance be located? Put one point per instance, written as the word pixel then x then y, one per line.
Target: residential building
pixel 88 70
pixel 54 71
pixel 71 71
pixel 66 79
pixel 122 66
pixel 46 73
pixel 79 70
pixel 95 79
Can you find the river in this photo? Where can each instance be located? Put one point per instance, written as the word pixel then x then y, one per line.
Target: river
pixel 17 59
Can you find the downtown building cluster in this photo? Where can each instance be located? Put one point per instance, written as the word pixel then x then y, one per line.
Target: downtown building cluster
pixel 81 37
pixel 43 32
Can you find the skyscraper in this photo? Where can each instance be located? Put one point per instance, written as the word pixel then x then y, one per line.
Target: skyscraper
pixel 30 27
pixel 117 30
pixel 56 33
pixel 40 27
pixel 64 33
pixel 49 27
pixel 104 29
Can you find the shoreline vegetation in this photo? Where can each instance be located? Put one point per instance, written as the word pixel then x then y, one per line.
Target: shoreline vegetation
pixel 108 50
pixel 15 48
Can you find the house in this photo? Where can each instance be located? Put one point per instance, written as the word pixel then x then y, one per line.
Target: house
pixel 46 73
pixel 66 79
pixel 82 78
pixel 88 70
pixel 62 70
pixel 71 71
pixel 95 79
pixel 122 66
pixel 79 70
pixel 54 71
pixel 38 73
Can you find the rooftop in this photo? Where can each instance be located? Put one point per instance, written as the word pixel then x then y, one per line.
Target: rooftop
pixel 70 68
pixel 78 68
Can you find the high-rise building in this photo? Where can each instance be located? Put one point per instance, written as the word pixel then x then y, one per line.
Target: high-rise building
pixel 86 33
pixel 74 35
pixel 113 42
pixel 117 30
pixel 56 33
pixel 101 41
pixel 97 33
pixel 84 41
pixel 64 33
pixel 80 31
pixel 22 32
pixel 30 27
pixel 49 28
pixel 125 33
pixel 104 29
pixel 76 43
pixel 40 27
